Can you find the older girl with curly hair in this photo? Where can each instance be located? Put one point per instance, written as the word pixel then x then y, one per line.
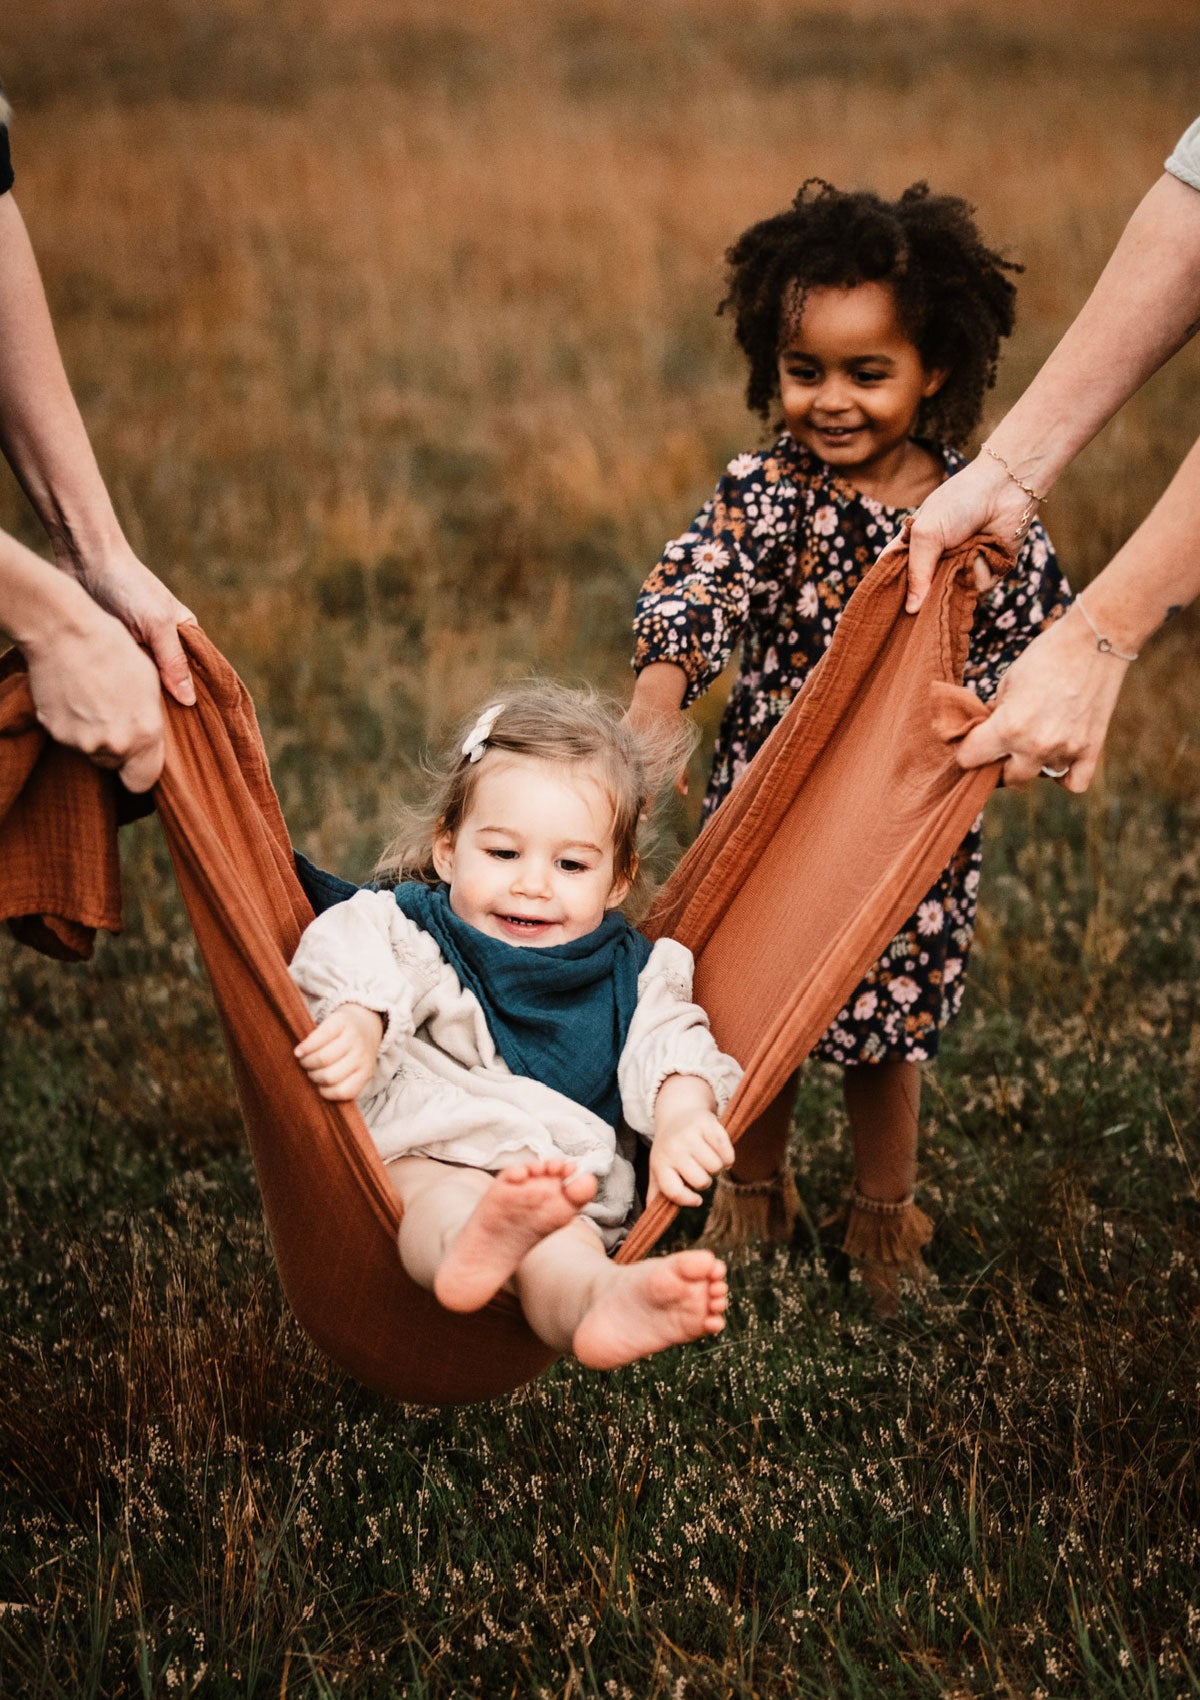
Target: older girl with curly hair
pixel 872 327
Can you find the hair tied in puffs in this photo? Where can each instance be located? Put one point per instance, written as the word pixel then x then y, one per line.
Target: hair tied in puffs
pixel 476 740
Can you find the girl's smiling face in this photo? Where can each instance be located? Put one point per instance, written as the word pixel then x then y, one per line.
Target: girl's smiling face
pixel 532 862
pixel 852 381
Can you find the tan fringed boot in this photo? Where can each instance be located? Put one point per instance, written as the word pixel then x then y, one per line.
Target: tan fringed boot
pixel 886 1237
pixel 745 1212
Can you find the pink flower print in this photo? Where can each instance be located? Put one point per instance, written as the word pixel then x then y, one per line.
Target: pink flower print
pixel 743 466
pixel 952 969
pixel 929 918
pixel 865 1006
pixel 710 557
pixel 807 604
pixel 824 521
pixel 904 990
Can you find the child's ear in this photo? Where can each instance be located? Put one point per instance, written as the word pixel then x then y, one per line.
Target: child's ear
pixel 622 886
pixel 443 855
pixel 934 379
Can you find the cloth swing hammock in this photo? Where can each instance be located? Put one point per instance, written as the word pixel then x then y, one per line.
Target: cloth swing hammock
pixel 839 826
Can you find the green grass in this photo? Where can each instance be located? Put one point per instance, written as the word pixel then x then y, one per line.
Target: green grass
pixel 395 335
pixel 996 1494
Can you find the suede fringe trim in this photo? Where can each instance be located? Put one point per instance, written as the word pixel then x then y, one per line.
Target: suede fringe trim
pixel 887 1239
pixel 744 1212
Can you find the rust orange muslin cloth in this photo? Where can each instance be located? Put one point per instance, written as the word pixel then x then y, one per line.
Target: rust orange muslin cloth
pixel 842 822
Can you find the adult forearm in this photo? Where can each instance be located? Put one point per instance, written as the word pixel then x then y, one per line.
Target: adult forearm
pixel 1158 570
pixel 660 689
pixel 41 431
pixel 35 601
pixel 1145 306
pixel 1055 702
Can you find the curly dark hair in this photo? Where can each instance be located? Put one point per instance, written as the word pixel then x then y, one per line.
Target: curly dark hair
pixel 952 295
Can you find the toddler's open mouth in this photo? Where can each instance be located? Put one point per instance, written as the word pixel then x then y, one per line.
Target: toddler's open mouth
pixel 529 925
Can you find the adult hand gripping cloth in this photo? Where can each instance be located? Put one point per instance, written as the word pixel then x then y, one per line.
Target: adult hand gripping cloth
pixel 843 820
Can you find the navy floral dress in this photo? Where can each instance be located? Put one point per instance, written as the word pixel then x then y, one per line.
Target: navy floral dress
pixel 771 561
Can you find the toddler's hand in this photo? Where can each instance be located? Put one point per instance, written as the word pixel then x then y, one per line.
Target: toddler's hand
pixel 339 1054
pixel 690 1145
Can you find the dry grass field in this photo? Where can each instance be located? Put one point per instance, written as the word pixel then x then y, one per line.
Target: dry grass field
pixel 393 325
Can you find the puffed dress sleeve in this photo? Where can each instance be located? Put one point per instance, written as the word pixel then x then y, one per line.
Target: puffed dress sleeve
pixel 693 608
pixel 1184 160
pixel 365 951
pixel 669 1034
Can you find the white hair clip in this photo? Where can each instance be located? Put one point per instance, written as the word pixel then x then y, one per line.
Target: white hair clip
pixel 476 740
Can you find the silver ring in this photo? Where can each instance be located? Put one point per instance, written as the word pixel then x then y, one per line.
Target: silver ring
pixel 1057 772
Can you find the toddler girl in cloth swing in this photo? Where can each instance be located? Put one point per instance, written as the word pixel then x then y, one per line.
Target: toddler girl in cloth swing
pixel 507 1032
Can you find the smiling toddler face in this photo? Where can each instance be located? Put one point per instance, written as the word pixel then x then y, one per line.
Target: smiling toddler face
pixel 533 862
pixel 851 380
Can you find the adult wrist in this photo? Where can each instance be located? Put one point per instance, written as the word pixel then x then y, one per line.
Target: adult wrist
pixel 1107 626
pixel 1037 455
pixel 1085 636
pixel 54 609
pixel 86 552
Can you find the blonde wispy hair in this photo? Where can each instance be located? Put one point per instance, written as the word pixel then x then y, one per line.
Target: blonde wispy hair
pixel 544 721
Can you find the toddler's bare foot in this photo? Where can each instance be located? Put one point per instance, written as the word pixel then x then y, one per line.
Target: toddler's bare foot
pixel 522 1205
pixel 649 1306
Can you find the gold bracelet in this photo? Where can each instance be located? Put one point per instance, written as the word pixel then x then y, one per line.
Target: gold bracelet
pixel 1031 507
pixel 1103 644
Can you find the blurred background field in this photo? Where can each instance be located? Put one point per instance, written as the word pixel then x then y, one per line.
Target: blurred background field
pixel 393 326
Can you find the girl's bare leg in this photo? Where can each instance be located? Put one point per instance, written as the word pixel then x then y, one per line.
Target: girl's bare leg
pixel 464 1231
pixel 608 1314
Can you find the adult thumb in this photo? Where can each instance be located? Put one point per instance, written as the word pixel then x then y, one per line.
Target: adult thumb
pixel 983 744
pixel 172 663
pixel 924 553
pixel 142 766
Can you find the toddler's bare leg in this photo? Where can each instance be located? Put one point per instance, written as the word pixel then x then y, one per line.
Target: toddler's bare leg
pixel 522 1206
pixel 608 1314
pixel 438 1200
pixel 464 1231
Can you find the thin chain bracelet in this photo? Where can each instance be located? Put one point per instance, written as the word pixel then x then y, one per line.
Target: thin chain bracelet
pixel 1105 645
pixel 1026 518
